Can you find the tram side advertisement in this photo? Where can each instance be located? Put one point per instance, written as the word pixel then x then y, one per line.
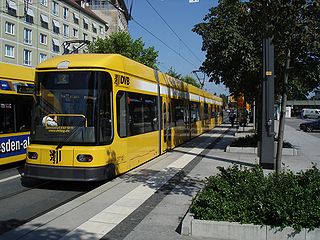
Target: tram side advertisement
pixel 13 145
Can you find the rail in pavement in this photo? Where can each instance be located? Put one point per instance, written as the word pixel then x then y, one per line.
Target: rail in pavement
pixel 97 213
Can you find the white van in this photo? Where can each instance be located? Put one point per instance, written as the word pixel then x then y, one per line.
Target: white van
pixel 310 113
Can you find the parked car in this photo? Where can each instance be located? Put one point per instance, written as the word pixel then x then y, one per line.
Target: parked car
pixel 310 126
pixel 310 113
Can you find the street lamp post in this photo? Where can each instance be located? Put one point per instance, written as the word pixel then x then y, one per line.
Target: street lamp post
pixel 266 127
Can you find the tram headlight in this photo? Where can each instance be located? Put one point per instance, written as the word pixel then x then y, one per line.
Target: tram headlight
pixel 84 158
pixel 33 155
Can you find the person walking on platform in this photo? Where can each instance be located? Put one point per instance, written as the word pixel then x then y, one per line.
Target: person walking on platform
pixel 232 117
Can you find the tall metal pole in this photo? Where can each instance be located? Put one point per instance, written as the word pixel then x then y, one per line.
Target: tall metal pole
pixel 267 113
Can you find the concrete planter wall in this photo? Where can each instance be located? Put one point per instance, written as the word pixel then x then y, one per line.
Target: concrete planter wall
pixel 236 231
pixel 254 150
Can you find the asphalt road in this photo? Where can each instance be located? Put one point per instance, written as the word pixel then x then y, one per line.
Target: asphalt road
pixel 24 199
pixel 295 122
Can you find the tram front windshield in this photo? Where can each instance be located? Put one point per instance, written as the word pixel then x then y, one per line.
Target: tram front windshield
pixel 72 107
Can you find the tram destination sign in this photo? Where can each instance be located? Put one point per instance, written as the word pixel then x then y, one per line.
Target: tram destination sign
pixel 25 89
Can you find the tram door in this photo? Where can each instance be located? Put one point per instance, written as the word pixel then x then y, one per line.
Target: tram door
pixel 166 126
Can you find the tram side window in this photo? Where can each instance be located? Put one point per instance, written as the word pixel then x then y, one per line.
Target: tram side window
pixel 142 113
pixel 136 113
pixel 213 112
pixel 150 113
pixel 178 112
pixel 7 118
pixel 206 111
pixel 23 110
pixel 195 111
pixel 122 114
pixel 15 114
pixel 105 108
pixel 209 111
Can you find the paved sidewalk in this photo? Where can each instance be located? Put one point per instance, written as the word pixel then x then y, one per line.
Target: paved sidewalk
pixel 150 201
pixel 308 149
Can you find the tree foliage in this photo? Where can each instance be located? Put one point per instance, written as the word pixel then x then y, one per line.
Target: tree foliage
pixel 188 79
pixel 233 33
pixel 232 36
pixel 122 43
pixel 191 80
pixel 173 73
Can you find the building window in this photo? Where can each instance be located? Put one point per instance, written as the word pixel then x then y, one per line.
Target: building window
pixel 85 23
pixel 55 45
pixel 75 33
pixel 44 21
pixel 27 36
pixel 44 2
pixel 75 49
pixel 56 26
pixel 29 16
pixel 27 57
pixel 55 8
pixel 76 18
pixel 43 39
pixel 12 8
pixel 85 36
pixel 101 30
pixel 94 28
pixel 65 30
pixel 65 13
pixel 9 51
pixel 42 57
pixel 9 28
pixel 94 39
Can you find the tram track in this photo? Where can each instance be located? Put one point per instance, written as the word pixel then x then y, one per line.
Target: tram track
pixel 30 199
pixel 35 198
pixel 21 191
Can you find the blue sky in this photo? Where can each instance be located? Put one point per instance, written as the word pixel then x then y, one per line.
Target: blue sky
pixel 181 16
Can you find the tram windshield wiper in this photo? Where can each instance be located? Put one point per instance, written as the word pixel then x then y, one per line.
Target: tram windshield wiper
pixel 73 131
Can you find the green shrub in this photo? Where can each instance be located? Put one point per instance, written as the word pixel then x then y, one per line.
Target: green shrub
pixel 252 141
pixel 248 196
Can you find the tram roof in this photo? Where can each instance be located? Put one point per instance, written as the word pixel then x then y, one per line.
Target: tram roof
pixel 119 63
pixel 16 72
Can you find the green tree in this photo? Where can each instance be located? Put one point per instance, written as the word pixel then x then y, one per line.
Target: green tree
pixel 232 38
pixel 224 99
pixel 191 80
pixel 122 43
pixel 173 73
pixel 188 79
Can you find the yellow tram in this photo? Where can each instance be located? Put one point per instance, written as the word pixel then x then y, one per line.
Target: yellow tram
pixel 16 91
pixel 99 115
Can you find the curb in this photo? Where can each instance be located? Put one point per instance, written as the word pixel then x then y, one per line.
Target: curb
pixel 236 231
pixel 254 150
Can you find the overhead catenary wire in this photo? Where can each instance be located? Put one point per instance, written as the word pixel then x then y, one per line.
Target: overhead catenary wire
pixel 140 25
pixel 174 32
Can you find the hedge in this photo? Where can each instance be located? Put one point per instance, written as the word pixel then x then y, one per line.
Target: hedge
pixel 249 196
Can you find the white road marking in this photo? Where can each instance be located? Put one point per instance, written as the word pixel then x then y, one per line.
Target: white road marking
pixel 10 178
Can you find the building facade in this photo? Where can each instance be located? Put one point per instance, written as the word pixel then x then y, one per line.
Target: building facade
pixel 114 12
pixel 33 30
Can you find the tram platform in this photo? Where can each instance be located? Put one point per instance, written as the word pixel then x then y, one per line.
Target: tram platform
pixel 150 201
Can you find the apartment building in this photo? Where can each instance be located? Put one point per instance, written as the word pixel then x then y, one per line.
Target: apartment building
pixel 114 12
pixel 33 30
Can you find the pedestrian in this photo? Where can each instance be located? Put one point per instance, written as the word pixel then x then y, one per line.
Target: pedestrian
pixel 232 117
